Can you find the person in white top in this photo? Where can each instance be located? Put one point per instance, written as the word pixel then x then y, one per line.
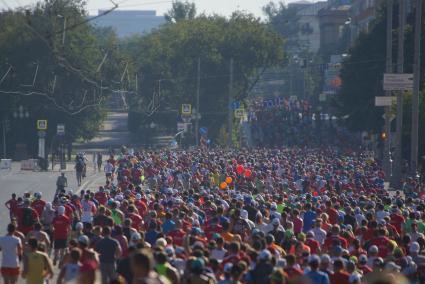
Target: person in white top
pixel 109 170
pixel 11 247
pixel 89 208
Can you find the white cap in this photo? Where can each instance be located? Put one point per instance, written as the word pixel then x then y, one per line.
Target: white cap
pixel 415 247
pixel 161 242
pixel 61 210
pixel 244 214
pixel 275 222
pixel 265 255
pixel 373 249
pixel 84 240
pixel 314 258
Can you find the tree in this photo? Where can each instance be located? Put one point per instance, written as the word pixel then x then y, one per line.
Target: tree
pixel 362 75
pixel 167 62
pixel 56 73
pixel 181 11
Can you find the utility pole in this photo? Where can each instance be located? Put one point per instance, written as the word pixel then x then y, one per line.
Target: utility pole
pixel 400 66
pixel 416 81
pixel 389 69
pixel 4 124
pixel 198 87
pixel 229 108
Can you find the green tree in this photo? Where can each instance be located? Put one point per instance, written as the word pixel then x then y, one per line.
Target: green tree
pixel 362 75
pixel 181 11
pixel 167 61
pixel 56 73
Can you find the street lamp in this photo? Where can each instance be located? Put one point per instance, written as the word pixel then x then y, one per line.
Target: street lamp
pixel 152 125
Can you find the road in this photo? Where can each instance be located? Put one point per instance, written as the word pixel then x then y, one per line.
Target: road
pixel 19 182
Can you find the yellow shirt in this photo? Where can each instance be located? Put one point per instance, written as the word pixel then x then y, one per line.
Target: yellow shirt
pixel 36 265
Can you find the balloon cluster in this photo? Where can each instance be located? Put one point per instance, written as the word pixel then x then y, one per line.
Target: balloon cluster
pixel 241 170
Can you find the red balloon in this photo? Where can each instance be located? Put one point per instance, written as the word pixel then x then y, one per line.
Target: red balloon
pixel 315 194
pixel 239 169
pixel 248 173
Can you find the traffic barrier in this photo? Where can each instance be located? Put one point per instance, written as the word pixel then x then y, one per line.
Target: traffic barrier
pixel 28 165
pixel 5 164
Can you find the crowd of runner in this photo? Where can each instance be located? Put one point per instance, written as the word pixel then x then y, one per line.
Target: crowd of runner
pixel 222 216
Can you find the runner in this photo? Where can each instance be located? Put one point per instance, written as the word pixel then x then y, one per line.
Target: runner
pixel 37 265
pixel 11 248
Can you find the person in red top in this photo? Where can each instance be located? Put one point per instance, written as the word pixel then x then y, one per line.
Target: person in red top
pixel 26 217
pixel 61 227
pixel 177 234
pixel 12 205
pixel 335 239
pixel 38 204
pixel 332 213
pixel 340 275
pixel 291 268
pixel 101 196
pixel 140 205
pixel 382 242
pixel 136 220
pixel 397 220
pixel 312 243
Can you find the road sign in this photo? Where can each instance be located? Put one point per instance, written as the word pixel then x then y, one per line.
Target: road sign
pixel 186 109
pixel 60 129
pixel 398 82
pixel 42 124
pixel 391 116
pixel 322 97
pixel 239 113
pixel 384 101
pixel 186 119
pixel 235 105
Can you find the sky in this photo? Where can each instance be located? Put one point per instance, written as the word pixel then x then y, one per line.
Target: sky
pixel 222 7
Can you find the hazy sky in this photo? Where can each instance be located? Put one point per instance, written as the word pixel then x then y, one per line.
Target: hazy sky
pixel 223 7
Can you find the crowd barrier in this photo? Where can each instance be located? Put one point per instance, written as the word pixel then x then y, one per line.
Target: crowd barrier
pixel 5 164
pixel 29 165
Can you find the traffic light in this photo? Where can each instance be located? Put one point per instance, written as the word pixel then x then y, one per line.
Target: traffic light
pixel 384 136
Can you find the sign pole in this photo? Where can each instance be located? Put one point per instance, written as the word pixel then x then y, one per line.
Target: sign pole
pixel 198 87
pixel 4 138
pixel 415 95
pixel 400 66
pixel 230 112
pixel 389 67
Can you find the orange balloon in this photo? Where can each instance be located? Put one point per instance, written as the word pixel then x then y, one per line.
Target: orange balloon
pixel 229 180
pixel 223 185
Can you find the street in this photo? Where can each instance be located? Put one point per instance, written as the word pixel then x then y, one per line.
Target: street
pixel 19 182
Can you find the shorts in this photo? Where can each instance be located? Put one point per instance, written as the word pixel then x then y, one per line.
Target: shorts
pixel 10 271
pixel 108 175
pixel 60 244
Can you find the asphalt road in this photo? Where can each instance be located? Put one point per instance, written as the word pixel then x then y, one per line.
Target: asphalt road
pixel 19 182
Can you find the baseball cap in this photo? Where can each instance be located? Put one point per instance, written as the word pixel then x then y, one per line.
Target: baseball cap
pixel 83 239
pixel 265 255
pixel 373 249
pixel 414 247
pixel 244 214
pixel 314 258
pixel 275 222
pixel 362 259
pixel 228 267
pixel 391 266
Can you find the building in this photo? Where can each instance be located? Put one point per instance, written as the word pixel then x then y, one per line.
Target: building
pixel 309 34
pixel 363 12
pixel 129 22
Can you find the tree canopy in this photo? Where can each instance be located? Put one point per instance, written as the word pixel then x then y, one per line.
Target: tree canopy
pixel 53 62
pixel 167 62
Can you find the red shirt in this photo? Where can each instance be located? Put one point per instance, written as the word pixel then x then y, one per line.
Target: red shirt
pixel 178 237
pixel 101 197
pixel 298 225
pixel 293 272
pixel 313 244
pixel 141 207
pixel 136 220
pixel 339 277
pixel 38 206
pixel 13 206
pixel 397 221
pixel 333 216
pixel 382 244
pixel 61 226
pixel 20 214
pixel 331 240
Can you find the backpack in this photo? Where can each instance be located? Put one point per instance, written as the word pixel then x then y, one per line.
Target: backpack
pixel 27 219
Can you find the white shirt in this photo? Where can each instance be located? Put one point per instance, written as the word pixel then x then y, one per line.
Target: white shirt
pixel 108 168
pixel 9 246
pixel 319 235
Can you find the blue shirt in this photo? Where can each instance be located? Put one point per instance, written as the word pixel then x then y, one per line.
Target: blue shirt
pixel 309 218
pixel 318 277
pixel 168 226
